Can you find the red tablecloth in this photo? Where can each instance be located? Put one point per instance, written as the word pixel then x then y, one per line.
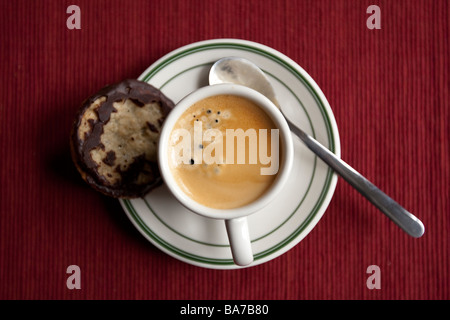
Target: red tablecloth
pixel 389 91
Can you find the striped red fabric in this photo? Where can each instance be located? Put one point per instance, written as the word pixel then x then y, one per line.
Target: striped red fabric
pixel 389 91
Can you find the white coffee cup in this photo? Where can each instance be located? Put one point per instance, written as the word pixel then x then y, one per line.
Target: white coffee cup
pixel 236 218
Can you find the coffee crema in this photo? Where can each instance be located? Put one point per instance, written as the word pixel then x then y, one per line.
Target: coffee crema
pixel 236 176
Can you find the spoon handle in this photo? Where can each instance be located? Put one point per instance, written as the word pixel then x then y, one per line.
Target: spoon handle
pixel 405 220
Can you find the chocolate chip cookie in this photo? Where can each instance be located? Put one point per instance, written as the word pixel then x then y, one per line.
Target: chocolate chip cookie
pixel 114 138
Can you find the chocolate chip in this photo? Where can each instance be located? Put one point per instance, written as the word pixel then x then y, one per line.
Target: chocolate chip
pixel 137 102
pixel 110 158
pixel 152 127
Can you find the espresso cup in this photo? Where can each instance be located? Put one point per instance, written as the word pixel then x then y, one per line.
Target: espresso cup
pixel 235 218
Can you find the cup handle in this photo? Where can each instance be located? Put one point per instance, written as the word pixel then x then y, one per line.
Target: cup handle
pixel 239 238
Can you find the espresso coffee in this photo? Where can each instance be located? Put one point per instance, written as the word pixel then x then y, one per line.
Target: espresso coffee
pixel 224 152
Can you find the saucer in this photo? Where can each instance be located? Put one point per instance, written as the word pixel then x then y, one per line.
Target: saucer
pixel 281 225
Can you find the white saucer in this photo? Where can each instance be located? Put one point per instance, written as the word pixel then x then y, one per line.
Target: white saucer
pixel 286 221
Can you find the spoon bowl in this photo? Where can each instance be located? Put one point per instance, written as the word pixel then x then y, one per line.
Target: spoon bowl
pixel 241 71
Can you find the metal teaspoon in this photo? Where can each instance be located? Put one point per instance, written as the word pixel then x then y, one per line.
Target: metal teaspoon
pixel 241 71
